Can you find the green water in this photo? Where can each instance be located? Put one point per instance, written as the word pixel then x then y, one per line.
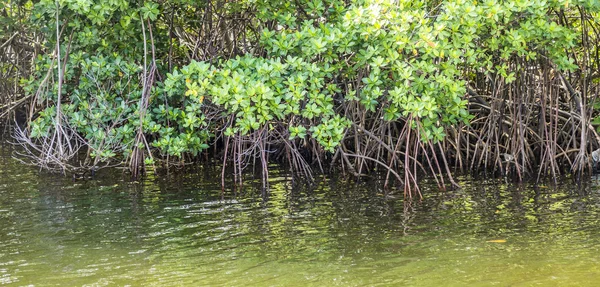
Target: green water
pixel 182 231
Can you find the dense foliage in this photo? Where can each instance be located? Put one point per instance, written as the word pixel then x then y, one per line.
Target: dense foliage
pixel 393 84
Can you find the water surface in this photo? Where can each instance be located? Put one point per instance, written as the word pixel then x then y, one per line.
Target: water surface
pixel 182 230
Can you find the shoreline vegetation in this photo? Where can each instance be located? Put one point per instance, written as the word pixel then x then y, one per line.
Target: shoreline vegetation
pixel 410 88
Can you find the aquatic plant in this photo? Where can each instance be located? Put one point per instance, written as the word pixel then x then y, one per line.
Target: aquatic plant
pixel 406 87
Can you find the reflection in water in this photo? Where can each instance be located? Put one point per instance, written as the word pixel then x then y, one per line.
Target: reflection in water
pixel 184 231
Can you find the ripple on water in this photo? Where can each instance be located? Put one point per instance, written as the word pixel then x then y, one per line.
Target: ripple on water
pixel 185 232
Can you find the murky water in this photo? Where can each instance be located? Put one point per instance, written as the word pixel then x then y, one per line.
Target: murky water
pixel 182 231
